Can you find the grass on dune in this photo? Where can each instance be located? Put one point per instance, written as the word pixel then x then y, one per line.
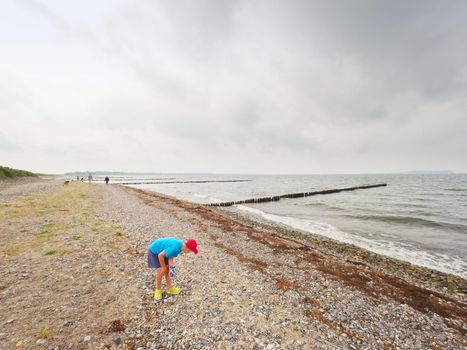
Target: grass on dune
pixel 10 173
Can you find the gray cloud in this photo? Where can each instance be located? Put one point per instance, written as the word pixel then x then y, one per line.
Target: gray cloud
pixel 217 85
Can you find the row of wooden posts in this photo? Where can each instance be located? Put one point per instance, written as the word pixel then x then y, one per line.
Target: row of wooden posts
pixel 178 182
pixel 292 195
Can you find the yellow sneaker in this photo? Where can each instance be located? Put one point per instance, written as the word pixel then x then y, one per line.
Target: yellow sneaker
pixel 158 294
pixel 173 290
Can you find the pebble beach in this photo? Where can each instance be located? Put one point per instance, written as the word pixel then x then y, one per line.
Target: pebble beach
pixel 74 256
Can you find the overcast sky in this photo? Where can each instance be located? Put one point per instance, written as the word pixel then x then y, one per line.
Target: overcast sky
pixel 233 86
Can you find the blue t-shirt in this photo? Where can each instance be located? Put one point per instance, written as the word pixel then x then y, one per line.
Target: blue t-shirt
pixel 171 246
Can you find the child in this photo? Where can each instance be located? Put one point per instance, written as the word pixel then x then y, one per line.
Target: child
pixel 160 256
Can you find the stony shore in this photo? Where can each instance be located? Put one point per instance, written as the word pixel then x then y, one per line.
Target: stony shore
pixel 74 276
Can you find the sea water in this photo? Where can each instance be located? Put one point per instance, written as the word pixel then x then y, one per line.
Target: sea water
pixel 418 218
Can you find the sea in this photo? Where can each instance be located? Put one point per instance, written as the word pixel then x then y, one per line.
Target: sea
pixel 419 218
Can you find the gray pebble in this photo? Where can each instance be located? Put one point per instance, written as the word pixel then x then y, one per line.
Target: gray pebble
pixel 87 338
pixel 41 342
pixel 442 338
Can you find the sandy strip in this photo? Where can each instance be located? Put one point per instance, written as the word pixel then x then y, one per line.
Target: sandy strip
pixel 249 288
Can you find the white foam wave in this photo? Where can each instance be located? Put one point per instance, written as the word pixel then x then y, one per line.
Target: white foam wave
pixel 398 250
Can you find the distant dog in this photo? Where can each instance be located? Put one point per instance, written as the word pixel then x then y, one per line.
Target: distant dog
pixel 66 182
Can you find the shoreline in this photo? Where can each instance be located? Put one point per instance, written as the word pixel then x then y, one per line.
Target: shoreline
pixel 421 236
pixel 441 281
pixel 428 277
pixel 436 261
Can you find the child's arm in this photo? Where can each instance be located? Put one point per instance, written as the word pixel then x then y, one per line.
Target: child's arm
pixel 161 257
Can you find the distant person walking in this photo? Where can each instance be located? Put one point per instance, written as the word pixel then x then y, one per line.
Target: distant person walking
pixel 77 178
pixel 107 180
pixel 89 178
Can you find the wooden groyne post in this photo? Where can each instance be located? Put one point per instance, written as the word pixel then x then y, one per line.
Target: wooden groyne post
pixel 291 195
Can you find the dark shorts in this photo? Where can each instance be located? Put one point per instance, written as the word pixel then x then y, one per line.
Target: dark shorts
pixel 153 260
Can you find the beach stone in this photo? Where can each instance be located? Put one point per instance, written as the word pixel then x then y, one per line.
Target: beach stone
pixel 442 338
pixel 41 342
pixel 87 338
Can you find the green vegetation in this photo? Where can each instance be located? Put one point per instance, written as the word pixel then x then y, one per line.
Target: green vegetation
pixel 14 248
pixel 56 251
pixel 44 234
pixel 43 332
pixel 9 173
pixel 51 252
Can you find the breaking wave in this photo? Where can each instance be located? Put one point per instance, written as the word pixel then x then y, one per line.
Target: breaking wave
pixel 398 250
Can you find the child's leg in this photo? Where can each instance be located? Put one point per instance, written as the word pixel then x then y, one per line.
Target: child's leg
pixel 167 278
pixel 159 278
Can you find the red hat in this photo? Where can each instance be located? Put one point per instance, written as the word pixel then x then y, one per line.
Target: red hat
pixel 191 244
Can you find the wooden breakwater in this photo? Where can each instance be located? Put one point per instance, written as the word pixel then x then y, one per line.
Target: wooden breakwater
pixel 292 195
pixel 178 182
